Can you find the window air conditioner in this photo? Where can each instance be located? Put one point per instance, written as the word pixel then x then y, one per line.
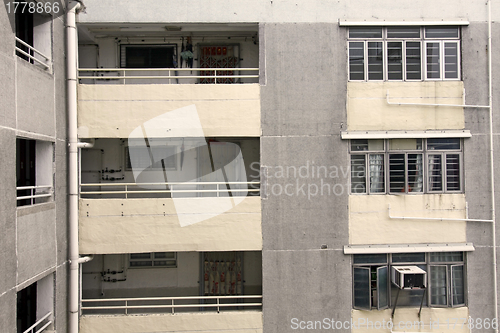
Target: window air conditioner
pixel 408 277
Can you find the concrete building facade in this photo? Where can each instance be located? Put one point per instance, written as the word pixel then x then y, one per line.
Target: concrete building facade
pixel 33 164
pixel 276 166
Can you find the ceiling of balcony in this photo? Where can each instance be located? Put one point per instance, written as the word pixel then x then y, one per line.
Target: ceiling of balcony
pixel 88 33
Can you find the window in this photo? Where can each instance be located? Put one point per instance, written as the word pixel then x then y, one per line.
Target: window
pixel 406 166
pixel 372 288
pixel 153 259
pixel 148 56
pixel 152 157
pixel 35 305
pixel 34 38
pixel 34 165
pixel 404 53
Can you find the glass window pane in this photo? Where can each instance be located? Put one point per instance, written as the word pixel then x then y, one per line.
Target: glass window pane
pixel 375 61
pixel 433 64
pixel 370 258
pixel 359 145
pixel 408 257
pixel 376 165
pixel 403 32
pixel 356 61
pixel 457 285
pixel 365 32
pixel 358 174
pixel 443 144
pixel 441 32
pixel 413 61
pixel 362 288
pixel 397 173
pixel 382 283
pixel 435 173
pixel 141 263
pixel 140 256
pixel 415 173
pixel 161 255
pixel 439 294
pixel 447 256
pixel 451 60
pixel 452 172
pixel 395 60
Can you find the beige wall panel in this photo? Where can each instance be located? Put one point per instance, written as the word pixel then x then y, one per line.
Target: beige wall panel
pixel 151 225
pixel 229 322
pixel 442 320
pixel 369 221
pixel 367 108
pixel 113 111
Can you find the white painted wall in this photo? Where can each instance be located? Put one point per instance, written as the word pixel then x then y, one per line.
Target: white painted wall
pixel 44 162
pixel 42 35
pixel 45 296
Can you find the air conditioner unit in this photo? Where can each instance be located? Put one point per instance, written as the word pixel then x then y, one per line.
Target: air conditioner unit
pixel 408 277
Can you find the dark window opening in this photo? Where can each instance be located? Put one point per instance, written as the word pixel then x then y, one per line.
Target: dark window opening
pixel 26 308
pixel 148 56
pixel 24 31
pixel 25 167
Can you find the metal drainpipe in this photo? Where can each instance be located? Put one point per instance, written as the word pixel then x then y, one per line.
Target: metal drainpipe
pixel 71 65
pixel 492 168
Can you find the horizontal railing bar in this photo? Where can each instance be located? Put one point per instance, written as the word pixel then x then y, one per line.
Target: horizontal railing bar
pixel 31 47
pixel 34 196
pixel 169 298
pixel 166 306
pixel 163 69
pixel 169 77
pixel 187 183
pixel 32 58
pixel 170 191
pixel 33 187
pixel 38 322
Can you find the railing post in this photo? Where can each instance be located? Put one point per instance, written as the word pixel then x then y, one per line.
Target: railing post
pixel 124 74
pixel 218 190
pixel 215 74
pixel 32 191
pixel 218 303
pixel 126 307
pixel 172 306
pixel 126 191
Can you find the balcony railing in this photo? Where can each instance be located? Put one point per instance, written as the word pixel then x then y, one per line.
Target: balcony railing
pixel 170 304
pixel 177 190
pixel 30 193
pixel 167 75
pixel 29 53
pixel 44 320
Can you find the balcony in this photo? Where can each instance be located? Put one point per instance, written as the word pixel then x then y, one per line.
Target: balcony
pixel 131 74
pixel 194 196
pixel 137 292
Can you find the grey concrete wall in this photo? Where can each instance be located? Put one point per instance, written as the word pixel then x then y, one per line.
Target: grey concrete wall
pixel 33 240
pixel 477 165
pixel 303 111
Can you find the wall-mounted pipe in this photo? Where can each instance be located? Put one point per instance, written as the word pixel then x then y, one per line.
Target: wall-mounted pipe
pixel 71 65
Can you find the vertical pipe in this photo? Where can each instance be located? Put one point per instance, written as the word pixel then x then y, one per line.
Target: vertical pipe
pixel 71 45
pixel 492 168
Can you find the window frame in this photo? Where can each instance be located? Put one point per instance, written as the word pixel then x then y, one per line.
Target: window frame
pixel 426 153
pixel 428 263
pixel 423 40
pixel 153 260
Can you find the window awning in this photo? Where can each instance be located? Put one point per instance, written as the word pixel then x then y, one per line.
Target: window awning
pixel 348 23
pixel 407 248
pixel 345 135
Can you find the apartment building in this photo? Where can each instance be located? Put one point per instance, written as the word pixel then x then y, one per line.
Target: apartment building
pixel 254 166
pixel 33 214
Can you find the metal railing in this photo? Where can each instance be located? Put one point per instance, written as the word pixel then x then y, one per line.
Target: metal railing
pixel 178 190
pixel 31 329
pixel 45 63
pixel 33 190
pixel 144 304
pixel 209 75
